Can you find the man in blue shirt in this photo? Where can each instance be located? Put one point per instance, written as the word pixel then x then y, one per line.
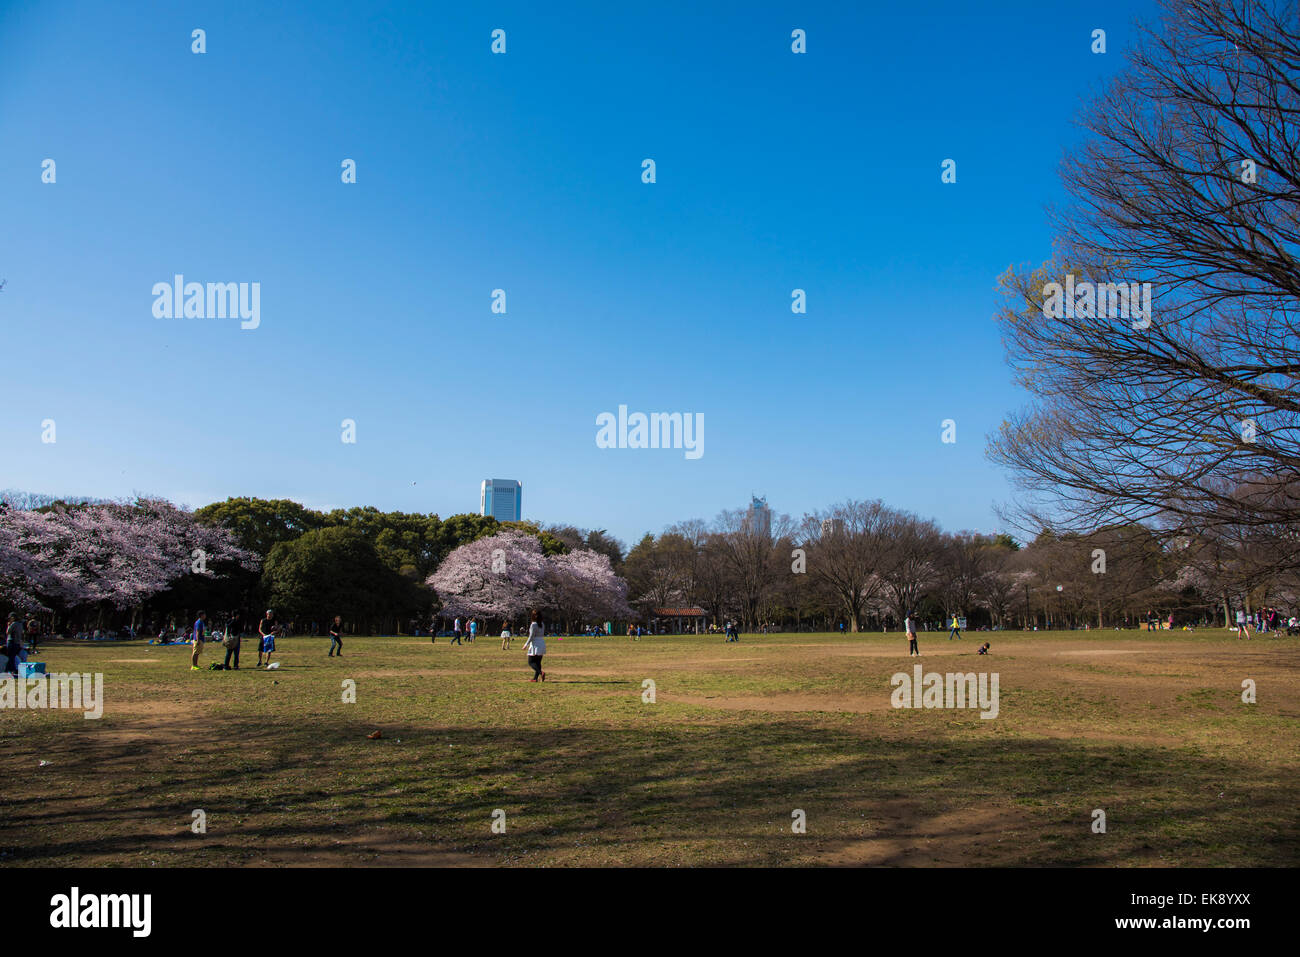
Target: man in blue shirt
pixel 197 637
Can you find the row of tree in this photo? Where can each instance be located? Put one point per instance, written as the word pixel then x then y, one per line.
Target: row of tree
pixel 860 563
pixel 867 565
pixel 93 564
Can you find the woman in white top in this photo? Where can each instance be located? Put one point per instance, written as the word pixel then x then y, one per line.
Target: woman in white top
pixel 535 646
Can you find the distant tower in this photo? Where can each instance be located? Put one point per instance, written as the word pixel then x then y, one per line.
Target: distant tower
pixel 502 499
pixel 832 526
pixel 759 517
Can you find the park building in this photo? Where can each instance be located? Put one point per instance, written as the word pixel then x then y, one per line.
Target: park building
pixel 502 499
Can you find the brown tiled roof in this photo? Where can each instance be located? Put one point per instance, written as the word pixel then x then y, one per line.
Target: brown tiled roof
pixel 679 612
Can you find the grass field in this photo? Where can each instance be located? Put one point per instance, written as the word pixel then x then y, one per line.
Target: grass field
pixel 1149 728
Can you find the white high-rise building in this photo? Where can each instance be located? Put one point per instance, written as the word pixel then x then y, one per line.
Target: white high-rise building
pixel 502 499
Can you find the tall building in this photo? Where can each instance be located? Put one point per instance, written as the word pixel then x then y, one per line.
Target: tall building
pixel 502 499
pixel 832 526
pixel 759 517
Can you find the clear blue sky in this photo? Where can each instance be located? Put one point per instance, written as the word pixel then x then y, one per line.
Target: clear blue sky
pixel 523 172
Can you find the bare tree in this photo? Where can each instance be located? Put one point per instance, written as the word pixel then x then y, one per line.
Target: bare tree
pixel 910 565
pixel 846 548
pixel 1189 416
pixel 753 557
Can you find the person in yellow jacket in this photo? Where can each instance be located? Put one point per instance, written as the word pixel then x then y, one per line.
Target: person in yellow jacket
pixel 956 629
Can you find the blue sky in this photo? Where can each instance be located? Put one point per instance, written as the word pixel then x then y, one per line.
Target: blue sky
pixel 522 171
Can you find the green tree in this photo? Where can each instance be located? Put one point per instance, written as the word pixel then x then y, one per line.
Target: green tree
pixel 337 571
pixel 260 524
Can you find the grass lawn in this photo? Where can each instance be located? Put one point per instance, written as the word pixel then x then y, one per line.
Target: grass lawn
pixel 1149 728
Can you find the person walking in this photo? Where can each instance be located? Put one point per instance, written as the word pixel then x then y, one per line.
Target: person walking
pixel 956 628
pixel 336 636
pixel 232 641
pixel 13 643
pixel 1241 625
pixel 266 629
pixel 909 623
pixel 456 632
pixel 197 635
pixel 535 647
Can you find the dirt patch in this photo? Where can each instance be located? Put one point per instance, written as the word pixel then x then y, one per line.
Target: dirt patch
pixel 907 836
pixel 368 848
pixel 785 703
pixel 1105 651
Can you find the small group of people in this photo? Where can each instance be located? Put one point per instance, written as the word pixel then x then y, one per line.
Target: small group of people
pixel 732 631
pixel 1262 621
pixel 534 646
pixel 267 630
pixel 460 633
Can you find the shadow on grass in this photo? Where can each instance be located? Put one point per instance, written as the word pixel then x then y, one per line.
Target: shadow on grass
pixel 719 793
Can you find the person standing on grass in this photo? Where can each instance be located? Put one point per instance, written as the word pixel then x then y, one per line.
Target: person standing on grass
pixel 506 637
pixel 266 629
pixel 473 630
pixel 535 647
pixel 956 629
pixel 196 639
pixel 1241 625
pixel 336 636
pixel 909 624
pixel 33 634
pixel 13 643
pixel 456 632
pixel 232 641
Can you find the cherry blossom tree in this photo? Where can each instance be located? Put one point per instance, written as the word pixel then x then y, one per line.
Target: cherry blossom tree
pixel 507 574
pixel 115 554
pixel 582 586
pixel 501 576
